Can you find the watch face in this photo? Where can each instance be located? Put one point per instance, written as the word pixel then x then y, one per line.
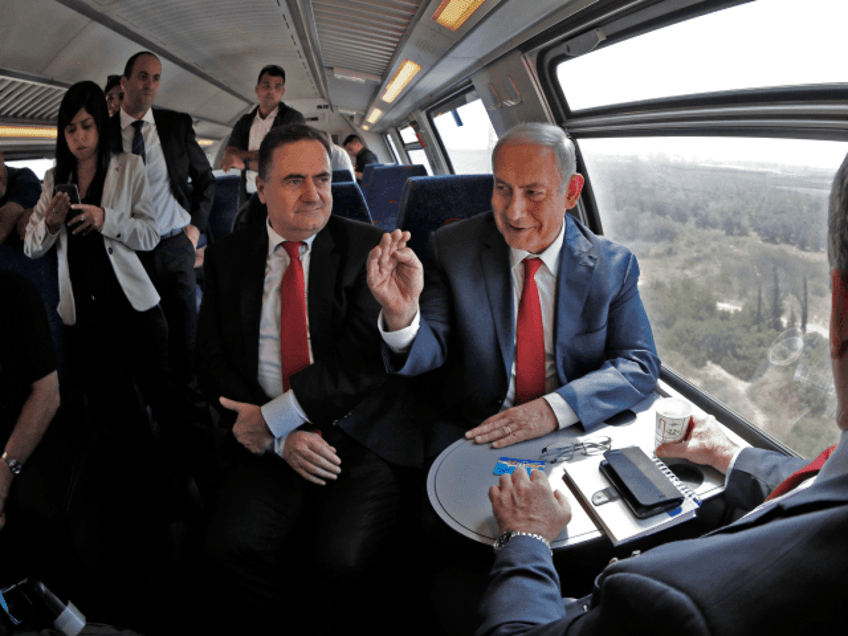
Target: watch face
pixel 502 540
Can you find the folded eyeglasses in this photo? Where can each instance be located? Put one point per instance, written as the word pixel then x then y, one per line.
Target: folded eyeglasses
pixel 591 446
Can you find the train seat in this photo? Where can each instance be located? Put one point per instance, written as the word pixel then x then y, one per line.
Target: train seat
pixel 383 195
pixel 225 205
pixel 349 202
pixel 428 203
pixel 340 176
pixel 368 173
pixel 43 272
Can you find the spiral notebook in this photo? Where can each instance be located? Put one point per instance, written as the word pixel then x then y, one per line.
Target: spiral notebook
pixel 604 504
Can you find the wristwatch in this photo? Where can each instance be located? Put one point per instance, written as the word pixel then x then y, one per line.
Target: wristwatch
pixel 502 540
pixel 14 465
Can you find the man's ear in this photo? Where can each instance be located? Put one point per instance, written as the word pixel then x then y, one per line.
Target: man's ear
pixel 260 189
pixel 123 84
pixel 573 190
pixel 838 312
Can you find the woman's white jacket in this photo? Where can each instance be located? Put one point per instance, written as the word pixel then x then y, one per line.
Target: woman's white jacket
pixel 130 225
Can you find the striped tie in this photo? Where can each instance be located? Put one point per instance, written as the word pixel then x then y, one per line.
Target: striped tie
pixel 138 141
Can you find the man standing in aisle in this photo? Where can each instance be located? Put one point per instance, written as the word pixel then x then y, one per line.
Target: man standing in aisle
pixel 166 142
pixel 242 151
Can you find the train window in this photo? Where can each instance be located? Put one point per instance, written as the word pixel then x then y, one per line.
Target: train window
pixel 407 135
pixel 419 156
pixel 754 45
pixel 393 149
pixel 730 235
pixel 467 135
pixel 413 148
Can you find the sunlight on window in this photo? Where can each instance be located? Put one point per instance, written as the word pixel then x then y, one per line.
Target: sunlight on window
pixel 468 137
pixel 767 43
pixel 730 236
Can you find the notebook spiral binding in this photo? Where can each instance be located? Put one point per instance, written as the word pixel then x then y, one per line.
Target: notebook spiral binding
pixel 684 490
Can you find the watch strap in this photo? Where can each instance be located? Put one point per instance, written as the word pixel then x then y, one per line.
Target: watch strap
pixel 14 465
pixel 509 534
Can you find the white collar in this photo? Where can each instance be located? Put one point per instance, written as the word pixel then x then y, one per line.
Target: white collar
pixel 550 257
pixel 128 120
pixel 275 239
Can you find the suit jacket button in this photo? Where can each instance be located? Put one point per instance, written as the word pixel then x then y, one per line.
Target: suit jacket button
pixel 118 235
pixel 110 250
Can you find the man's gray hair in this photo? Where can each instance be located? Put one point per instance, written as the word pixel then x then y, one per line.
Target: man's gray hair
pixel 547 135
pixel 837 231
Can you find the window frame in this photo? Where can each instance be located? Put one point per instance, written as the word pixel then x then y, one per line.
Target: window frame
pixel 818 112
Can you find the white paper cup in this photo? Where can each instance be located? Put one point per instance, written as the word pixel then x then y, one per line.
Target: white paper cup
pixel 672 419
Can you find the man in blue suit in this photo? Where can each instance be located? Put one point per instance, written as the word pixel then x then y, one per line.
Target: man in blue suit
pixel 780 569
pixel 592 351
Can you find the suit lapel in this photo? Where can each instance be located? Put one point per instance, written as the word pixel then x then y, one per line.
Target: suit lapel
pixel 494 259
pixel 251 283
pixel 576 267
pixel 323 270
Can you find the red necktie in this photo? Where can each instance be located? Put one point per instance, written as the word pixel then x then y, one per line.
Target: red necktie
pixel 529 339
pixel 294 345
pixel 800 475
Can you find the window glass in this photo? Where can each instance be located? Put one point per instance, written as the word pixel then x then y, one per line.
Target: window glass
pixel 730 235
pixel 419 156
pixel 408 135
pixel 393 149
pixel 38 166
pixel 468 137
pixel 759 44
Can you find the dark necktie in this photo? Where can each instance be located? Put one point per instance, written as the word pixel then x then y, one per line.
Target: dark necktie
pixel 294 345
pixel 138 141
pixel 800 475
pixel 529 339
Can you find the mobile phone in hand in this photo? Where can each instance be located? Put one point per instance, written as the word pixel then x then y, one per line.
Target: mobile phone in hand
pixel 71 190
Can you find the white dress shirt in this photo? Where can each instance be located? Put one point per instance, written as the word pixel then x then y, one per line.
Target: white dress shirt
pixel 258 129
pixel 400 341
pixel 170 215
pixel 283 413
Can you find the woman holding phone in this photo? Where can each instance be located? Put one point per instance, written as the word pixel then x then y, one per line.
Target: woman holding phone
pixel 96 208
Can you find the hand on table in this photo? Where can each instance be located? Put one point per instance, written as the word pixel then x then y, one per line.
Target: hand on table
pixel 516 424
pixel 527 504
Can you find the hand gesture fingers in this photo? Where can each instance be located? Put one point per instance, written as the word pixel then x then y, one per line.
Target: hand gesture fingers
pixel 519 423
pixel 311 457
pixel 396 279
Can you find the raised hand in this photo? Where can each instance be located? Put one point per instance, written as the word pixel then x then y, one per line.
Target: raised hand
pixel 396 278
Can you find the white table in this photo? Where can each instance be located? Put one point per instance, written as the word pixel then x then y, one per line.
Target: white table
pixel 459 480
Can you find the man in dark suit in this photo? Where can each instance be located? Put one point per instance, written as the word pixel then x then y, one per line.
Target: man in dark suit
pixel 585 354
pixel 302 508
pixel 242 151
pixel 165 140
pixel 780 569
